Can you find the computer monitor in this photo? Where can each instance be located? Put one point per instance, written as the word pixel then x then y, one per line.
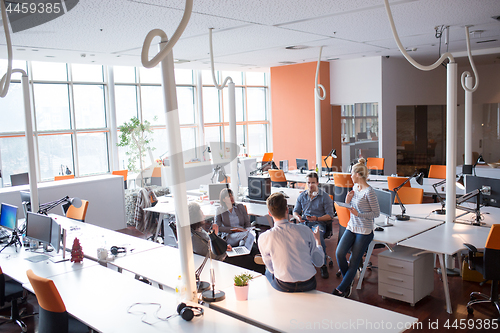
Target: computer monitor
pixel 19 179
pixel 302 165
pixel 284 165
pixel 39 227
pixel 214 191
pixel 8 216
pixel 490 194
pixel 55 236
pixel 385 200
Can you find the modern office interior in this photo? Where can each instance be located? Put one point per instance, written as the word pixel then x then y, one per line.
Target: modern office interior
pixel 317 85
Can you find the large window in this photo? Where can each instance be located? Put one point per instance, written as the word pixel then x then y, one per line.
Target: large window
pixel 72 115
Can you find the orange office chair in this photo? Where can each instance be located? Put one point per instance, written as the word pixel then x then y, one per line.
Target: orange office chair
pixel 278 178
pixel 11 291
pixel 437 171
pixel 77 213
pixel 343 184
pixel 64 177
pixel 328 165
pixel 344 215
pixel 375 165
pixel 393 182
pixel 53 315
pixel 267 158
pixel 410 195
pixel 124 174
pixel 487 265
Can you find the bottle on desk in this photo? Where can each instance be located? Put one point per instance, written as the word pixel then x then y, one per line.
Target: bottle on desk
pixel 180 290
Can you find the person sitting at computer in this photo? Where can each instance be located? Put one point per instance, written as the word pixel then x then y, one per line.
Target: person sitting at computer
pixel 199 237
pixel 289 251
pixel 232 219
pixel 314 208
pixel 359 232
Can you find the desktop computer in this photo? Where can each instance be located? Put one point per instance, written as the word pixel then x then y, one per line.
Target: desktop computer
pixel 259 188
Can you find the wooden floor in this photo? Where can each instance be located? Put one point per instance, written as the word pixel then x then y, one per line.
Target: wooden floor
pixel 431 311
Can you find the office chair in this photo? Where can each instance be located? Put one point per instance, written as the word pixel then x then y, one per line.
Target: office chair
pixel 56 178
pixel 488 266
pixel 124 174
pixel 375 165
pixel 410 195
pixel 328 165
pixel 278 178
pixel 437 171
pixel 343 184
pixel 393 182
pixel 11 291
pixel 76 213
pixel 53 316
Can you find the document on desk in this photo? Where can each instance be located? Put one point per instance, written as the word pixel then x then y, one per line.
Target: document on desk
pixel 38 258
pixel 343 204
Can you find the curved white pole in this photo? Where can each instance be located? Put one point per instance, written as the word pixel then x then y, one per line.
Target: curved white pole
pixel 232 119
pixel 466 80
pixel 318 97
pixel 174 145
pixel 4 89
pixel 451 111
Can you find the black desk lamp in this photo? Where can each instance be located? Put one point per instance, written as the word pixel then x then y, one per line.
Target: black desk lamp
pixel 219 172
pixel 333 153
pixel 419 177
pixel 44 208
pixel 212 295
pixel 441 211
pixel 477 210
pixel 480 159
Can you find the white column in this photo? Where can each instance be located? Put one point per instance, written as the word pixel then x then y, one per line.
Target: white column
pixel 317 114
pixel 233 144
pixel 468 121
pixel 451 137
pixel 113 132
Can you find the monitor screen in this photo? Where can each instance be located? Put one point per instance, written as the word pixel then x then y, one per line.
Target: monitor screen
pixel 38 227
pixel 8 216
pixel 302 164
pixel 19 179
pixel 214 191
pixel 284 165
pixel 385 200
pixel 55 237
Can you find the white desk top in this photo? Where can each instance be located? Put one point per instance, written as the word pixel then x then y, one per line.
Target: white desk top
pixel 100 298
pixel 15 264
pixel 448 238
pixel 163 266
pixel 402 230
pixel 294 312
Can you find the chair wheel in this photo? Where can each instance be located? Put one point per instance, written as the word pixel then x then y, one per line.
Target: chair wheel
pixel 338 274
pixel 330 264
pixel 470 310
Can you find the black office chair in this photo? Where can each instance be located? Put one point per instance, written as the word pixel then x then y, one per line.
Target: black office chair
pixel 11 291
pixel 487 265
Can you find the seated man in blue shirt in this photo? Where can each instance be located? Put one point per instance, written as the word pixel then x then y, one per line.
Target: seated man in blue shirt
pixel 289 251
pixel 314 207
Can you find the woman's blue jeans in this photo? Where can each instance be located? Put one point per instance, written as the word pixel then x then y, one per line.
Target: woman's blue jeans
pixel 358 244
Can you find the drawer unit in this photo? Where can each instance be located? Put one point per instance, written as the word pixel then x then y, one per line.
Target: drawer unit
pixel 405 277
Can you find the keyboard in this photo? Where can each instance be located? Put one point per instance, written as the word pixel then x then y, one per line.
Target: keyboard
pixel 239 250
pixel 4 233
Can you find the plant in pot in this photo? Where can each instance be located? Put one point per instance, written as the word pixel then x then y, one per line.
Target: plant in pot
pixel 241 286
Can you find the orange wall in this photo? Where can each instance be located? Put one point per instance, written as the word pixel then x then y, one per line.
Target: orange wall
pixel 292 104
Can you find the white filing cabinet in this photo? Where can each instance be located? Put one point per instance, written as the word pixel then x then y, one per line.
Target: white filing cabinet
pixel 404 276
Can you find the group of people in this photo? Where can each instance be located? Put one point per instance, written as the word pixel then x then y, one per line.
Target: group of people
pixel 291 251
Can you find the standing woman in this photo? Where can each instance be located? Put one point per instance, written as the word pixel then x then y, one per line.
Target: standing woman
pixel 359 232
pixel 232 219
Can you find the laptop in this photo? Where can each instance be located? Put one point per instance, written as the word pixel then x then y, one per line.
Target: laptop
pixel 242 250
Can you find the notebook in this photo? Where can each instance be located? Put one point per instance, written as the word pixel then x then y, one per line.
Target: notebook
pixel 242 250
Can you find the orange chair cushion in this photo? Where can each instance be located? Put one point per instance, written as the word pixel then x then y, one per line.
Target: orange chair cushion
pixel 78 213
pixel 437 171
pixel 493 241
pixel 410 195
pixel 342 180
pixel 393 182
pixel 268 157
pixel 46 293
pixel 64 177
pixel 123 173
pixel 375 163
pixel 343 214
pixel 329 162
pixel 277 175
pixel 156 172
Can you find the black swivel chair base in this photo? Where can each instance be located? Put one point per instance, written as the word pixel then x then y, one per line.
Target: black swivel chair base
pixel 16 316
pixel 477 297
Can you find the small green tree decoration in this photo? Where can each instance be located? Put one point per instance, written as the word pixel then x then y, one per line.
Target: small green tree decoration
pixel 136 136
pixel 242 279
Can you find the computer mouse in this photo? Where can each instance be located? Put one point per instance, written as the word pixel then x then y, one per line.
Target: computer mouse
pixel 379 229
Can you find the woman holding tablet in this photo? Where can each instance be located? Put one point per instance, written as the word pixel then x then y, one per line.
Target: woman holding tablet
pixel 359 232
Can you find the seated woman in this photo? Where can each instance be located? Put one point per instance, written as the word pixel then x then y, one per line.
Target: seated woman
pixel 232 219
pixel 199 236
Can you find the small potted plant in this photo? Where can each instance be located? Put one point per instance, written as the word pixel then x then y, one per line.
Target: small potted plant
pixel 241 286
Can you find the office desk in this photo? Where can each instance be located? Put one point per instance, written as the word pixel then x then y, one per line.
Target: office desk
pixel 93 237
pixel 100 298
pixel 163 266
pixel 15 264
pixel 294 312
pixel 448 239
pixel 427 186
pixel 301 177
pixel 400 231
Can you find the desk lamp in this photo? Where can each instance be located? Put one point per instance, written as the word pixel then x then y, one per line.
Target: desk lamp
pixel 480 159
pixel 212 295
pixel 333 154
pixel 44 208
pixel 459 184
pixel 219 172
pixel 419 178
pixel 202 285
pixel 477 210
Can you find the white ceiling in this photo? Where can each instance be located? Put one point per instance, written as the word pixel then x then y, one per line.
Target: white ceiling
pixel 254 34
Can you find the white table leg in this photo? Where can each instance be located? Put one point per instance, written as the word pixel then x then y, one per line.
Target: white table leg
pixel 445 283
pixel 365 264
